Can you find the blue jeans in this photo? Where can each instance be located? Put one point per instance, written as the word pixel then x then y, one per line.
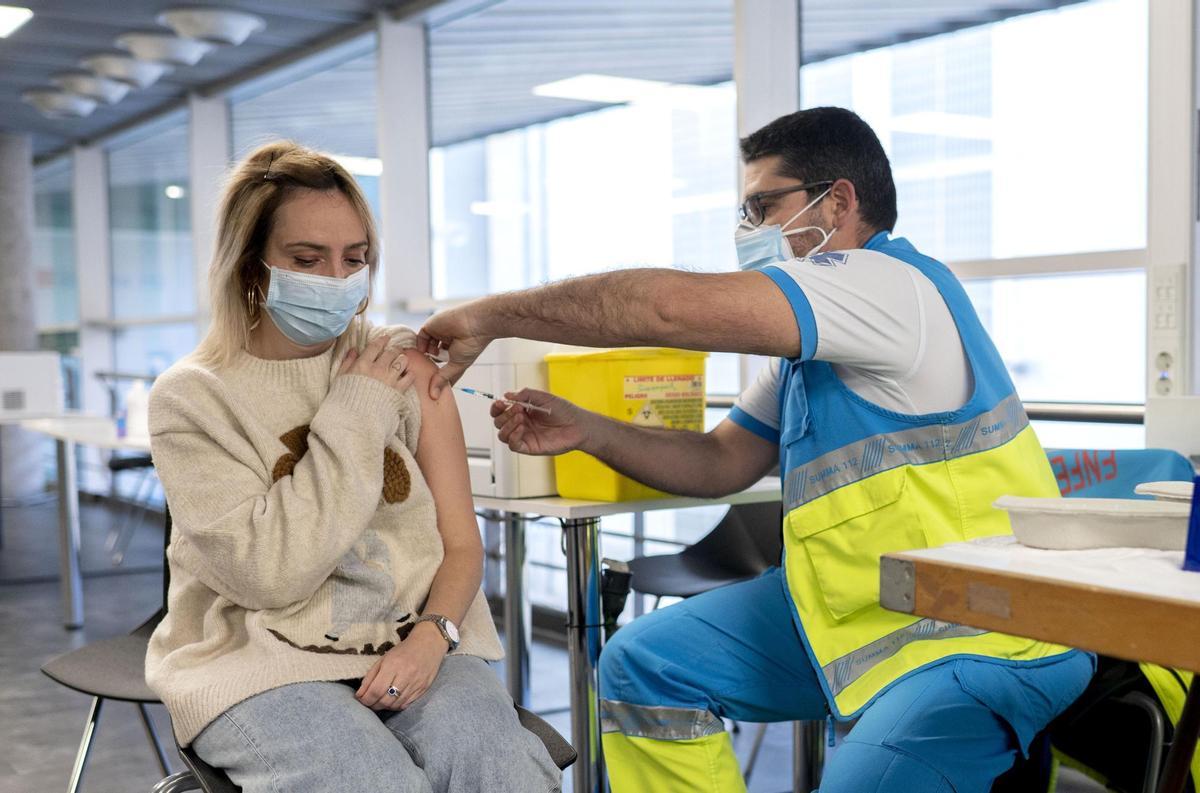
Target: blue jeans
pixel 734 652
pixel 462 736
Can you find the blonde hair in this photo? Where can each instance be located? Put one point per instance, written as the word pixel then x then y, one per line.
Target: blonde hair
pixel 254 190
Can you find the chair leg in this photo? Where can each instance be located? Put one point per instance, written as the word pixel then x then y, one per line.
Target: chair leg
pixel 754 749
pixel 85 744
pixel 808 755
pixel 177 783
pixel 1158 733
pixel 152 737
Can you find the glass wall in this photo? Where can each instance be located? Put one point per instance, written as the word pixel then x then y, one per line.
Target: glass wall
pixel 1023 138
pixel 56 292
pixel 153 275
pixel 580 144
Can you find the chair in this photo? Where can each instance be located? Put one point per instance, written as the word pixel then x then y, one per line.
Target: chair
pixel 137 507
pixel 110 669
pixel 201 776
pixel 747 541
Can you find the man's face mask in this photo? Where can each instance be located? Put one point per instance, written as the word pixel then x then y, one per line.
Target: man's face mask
pixel 759 246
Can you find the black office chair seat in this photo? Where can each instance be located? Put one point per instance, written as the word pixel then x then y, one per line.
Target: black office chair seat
pixel 744 543
pixel 109 668
pixel 682 575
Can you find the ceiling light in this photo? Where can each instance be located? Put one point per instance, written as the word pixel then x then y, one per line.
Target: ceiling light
pixel 218 25
pixel 89 85
pixel 164 48
pixel 126 69
pixel 53 103
pixel 602 88
pixel 173 191
pixel 11 18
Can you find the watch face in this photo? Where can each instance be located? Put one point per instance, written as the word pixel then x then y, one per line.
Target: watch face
pixel 452 629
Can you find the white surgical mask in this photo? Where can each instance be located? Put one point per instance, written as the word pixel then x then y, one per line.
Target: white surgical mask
pixel 310 309
pixel 759 246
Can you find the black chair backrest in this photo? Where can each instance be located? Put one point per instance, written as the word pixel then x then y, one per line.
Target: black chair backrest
pixel 747 540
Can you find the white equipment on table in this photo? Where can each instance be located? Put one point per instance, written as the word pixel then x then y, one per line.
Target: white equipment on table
pixel 30 384
pixel 1174 423
pixel 497 471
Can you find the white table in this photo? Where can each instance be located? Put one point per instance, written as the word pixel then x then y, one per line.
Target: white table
pixel 70 430
pixel 585 621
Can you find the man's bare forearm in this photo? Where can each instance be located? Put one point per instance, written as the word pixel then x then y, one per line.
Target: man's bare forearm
pixel 674 461
pixel 627 308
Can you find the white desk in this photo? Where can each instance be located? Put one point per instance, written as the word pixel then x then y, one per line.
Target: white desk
pixel 69 430
pixel 585 621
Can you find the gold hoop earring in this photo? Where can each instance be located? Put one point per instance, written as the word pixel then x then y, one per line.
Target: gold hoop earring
pixel 252 311
pixel 363 307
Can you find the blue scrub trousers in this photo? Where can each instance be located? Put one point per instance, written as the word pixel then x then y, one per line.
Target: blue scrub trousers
pixel 736 653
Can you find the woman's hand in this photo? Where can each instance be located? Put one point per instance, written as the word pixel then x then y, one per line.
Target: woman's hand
pixel 565 428
pixel 389 367
pixel 410 666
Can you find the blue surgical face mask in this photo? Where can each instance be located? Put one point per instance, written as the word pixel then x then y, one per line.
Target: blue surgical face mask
pixel 759 246
pixel 311 309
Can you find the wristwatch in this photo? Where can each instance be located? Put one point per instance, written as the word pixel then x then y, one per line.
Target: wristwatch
pixel 447 628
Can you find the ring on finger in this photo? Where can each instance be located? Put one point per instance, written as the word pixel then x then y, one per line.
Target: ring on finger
pixel 393 692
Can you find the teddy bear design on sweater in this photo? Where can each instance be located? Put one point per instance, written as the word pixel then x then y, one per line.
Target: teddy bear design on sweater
pixel 363 586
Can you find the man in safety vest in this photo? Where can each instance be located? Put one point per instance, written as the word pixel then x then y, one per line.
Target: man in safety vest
pixel 895 426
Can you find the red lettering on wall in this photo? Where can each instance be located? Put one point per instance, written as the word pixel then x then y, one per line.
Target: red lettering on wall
pixel 1111 459
pixel 1060 473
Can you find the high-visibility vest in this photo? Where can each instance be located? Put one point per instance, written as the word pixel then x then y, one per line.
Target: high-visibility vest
pixel 861 481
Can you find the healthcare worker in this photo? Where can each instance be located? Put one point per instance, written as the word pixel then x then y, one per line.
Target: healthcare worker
pixel 895 426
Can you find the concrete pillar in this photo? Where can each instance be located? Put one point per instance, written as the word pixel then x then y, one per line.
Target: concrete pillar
pixel 18 326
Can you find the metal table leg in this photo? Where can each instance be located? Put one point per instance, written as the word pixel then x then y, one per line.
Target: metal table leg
pixel 585 634
pixel 70 580
pixel 1183 745
pixel 517 612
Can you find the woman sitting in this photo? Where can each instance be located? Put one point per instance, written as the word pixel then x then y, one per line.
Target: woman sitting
pixel 325 627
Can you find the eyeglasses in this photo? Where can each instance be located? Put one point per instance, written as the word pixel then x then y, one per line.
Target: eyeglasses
pixel 751 211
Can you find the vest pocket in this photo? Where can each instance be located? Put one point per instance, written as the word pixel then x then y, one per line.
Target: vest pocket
pixel 845 532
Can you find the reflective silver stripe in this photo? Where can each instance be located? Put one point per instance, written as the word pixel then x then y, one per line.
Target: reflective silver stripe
pixel 918 446
pixel 663 723
pixel 845 670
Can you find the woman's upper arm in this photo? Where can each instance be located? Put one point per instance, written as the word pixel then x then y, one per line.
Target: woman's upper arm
pixel 442 457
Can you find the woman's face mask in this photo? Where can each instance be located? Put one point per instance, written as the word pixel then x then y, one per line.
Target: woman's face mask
pixel 759 246
pixel 311 309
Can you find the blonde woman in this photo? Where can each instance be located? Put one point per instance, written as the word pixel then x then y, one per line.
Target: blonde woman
pixel 325 627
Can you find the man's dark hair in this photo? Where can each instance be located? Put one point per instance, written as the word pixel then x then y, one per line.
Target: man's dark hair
pixel 830 143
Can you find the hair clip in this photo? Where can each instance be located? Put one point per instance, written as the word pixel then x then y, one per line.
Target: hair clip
pixel 267 175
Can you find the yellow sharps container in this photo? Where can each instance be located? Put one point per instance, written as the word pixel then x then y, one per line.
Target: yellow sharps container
pixel 650 386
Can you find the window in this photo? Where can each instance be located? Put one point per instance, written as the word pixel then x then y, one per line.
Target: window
pixel 992 162
pixel 149 220
pixel 1069 337
pixel 153 275
pixel 581 143
pixel 56 291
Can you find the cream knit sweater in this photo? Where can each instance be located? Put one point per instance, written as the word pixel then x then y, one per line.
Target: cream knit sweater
pixel 305 538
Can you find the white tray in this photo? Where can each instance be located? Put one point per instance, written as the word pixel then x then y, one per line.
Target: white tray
pixel 1077 523
pixel 1166 491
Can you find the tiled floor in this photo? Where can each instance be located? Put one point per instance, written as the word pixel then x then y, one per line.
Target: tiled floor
pixel 41 721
